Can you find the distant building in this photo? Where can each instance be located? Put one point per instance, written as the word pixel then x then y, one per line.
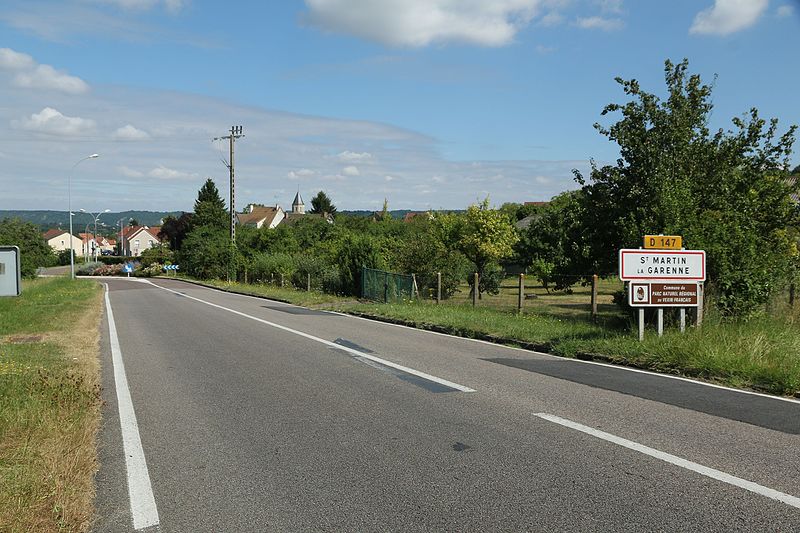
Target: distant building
pixel 59 240
pixel 260 216
pixel 137 239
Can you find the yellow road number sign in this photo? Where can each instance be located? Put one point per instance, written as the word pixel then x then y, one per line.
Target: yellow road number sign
pixel 663 242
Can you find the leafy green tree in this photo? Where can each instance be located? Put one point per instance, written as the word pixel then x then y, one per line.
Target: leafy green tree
pixel 205 253
pixel 724 192
pixel 321 203
pixel 425 252
pixel 483 235
pixel 352 253
pixel 34 251
pixel 174 230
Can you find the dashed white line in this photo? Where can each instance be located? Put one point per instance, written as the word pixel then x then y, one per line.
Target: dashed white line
pixel 140 491
pixel 358 353
pixel 677 461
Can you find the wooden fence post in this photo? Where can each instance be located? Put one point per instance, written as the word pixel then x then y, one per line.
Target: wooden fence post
pixel 475 290
pixel 521 295
pixel 438 287
pixel 308 281
pixel 594 297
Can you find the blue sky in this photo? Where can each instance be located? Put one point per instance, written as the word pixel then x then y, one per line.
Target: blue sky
pixel 427 103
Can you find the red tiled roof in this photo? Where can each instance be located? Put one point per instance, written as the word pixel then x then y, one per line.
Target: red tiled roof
pixel 55 232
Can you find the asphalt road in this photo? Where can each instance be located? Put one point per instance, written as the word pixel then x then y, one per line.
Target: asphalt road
pixel 259 416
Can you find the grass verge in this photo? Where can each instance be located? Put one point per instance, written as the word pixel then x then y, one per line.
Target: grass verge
pixel 49 405
pixel 762 354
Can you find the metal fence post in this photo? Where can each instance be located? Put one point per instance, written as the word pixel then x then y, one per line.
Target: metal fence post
pixel 700 303
pixel 308 281
pixel 594 297
pixel 413 285
pixel 438 287
pixel 386 287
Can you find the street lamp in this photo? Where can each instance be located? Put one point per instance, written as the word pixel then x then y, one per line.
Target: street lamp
pixel 119 243
pixel 69 210
pixel 95 229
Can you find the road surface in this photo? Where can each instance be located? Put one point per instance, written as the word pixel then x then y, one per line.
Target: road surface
pixel 231 413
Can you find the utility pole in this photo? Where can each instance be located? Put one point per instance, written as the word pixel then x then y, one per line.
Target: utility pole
pixel 235 133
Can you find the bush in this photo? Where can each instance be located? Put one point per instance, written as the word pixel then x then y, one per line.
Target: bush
pixel 33 249
pixel 270 267
pixel 157 254
pixel 315 266
pixel 87 269
pixel 353 253
pixel 147 271
pixel 108 270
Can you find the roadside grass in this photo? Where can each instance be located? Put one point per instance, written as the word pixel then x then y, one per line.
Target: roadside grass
pixel 761 354
pixel 284 294
pixel 49 405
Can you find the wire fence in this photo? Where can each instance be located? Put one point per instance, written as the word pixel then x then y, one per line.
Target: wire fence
pixel 383 286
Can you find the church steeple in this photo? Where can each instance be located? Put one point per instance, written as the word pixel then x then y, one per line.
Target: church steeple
pixel 297 206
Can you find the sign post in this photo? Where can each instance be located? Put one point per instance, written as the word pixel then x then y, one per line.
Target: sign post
pixel 10 271
pixel 662 276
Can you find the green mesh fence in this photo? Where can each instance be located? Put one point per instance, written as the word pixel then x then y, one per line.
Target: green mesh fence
pixel 382 286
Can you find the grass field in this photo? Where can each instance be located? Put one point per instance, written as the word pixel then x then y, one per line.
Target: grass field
pixel 49 405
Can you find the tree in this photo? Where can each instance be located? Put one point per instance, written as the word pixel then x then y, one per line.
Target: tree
pixel 725 193
pixel 33 249
pixel 205 253
pixel 484 236
pixel 321 204
pixel 209 208
pixel 174 230
pixel 133 222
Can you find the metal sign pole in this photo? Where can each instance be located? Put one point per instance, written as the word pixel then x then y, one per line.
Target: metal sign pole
pixel 683 319
pixel 660 321
pixel 641 324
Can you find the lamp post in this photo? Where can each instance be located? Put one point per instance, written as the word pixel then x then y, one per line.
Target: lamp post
pixel 69 210
pixel 95 228
pixel 120 242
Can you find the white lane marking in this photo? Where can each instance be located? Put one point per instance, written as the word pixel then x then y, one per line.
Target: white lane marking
pixel 573 360
pixel 402 368
pixel 140 491
pixel 677 461
pixel 503 346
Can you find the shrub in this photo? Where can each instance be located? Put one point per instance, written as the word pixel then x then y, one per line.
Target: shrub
pixel 268 267
pixel 87 269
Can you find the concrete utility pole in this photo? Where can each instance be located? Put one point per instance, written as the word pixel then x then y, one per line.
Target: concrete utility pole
pixel 236 133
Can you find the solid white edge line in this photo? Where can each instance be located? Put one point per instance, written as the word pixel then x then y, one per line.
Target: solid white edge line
pixel 352 351
pixel 140 490
pixel 677 461
pixel 489 343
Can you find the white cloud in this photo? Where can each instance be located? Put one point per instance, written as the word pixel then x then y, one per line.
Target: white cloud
pixel 12 60
pixel 302 173
pixel 728 16
pixel 50 120
pixel 418 23
pixel 130 172
pixel 553 18
pixel 351 171
pixel 130 133
pixel 599 23
pixel 785 10
pixel 163 173
pixel 388 178
pixel 347 155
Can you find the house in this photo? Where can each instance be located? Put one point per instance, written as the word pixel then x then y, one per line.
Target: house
pixel 137 239
pixel 260 216
pixel 88 243
pixel 58 240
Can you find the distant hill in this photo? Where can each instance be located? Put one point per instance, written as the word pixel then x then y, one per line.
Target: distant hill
pixel 59 219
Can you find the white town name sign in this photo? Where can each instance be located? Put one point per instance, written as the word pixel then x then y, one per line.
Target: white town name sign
pixel 685 265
